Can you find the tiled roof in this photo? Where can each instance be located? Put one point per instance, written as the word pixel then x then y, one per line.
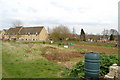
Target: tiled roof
pixel 25 30
pixel 13 31
pixel 5 30
pixel 31 30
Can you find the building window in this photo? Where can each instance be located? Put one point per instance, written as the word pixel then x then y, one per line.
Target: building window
pixel 22 39
pixel 26 39
pixel 33 39
pixel 28 33
pixel 36 33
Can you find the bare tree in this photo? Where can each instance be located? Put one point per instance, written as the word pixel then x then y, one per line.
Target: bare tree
pixel 48 29
pixel 108 33
pixel 17 23
pixel 113 31
pixel 60 32
pixel 73 31
pixel 105 32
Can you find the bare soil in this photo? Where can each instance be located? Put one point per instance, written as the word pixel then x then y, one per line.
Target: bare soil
pixel 103 50
pixel 48 47
pixel 62 57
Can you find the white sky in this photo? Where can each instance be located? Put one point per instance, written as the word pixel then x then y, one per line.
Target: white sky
pixel 92 15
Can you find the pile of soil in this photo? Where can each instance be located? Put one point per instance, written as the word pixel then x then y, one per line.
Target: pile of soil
pixel 49 47
pixel 62 57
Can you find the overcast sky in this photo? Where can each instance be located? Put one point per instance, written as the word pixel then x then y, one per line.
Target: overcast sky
pixel 92 15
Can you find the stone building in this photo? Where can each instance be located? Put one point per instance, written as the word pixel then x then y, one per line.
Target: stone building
pixel 2 33
pixel 37 33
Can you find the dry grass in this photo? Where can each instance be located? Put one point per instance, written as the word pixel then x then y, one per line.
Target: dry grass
pixel 25 61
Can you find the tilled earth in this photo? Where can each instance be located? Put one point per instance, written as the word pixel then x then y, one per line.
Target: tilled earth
pixel 103 50
pixel 62 57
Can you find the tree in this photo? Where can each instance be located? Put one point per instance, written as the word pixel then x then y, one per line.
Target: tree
pixel 73 31
pixel 105 34
pixel 82 35
pixel 60 33
pixel 111 37
pixel 114 32
pixel 48 29
pixel 108 33
pixel 17 23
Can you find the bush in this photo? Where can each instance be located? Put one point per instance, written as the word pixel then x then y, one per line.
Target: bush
pixel 43 42
pixel 77 70
pixel 105 62
pixel 61 43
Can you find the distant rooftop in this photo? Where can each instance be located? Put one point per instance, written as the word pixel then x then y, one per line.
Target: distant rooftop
pixel 25 30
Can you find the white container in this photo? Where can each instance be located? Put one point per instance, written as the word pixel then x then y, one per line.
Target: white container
pixel 51 42
pixel 66 47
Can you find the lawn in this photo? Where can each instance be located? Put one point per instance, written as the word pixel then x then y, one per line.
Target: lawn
pixel 19 62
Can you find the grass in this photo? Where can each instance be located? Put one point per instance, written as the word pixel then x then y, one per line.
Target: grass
pixel 96 44
pixel 24 60
pixel 37 69
pixel 18 63
pixel 77 59
pixel 82 49
pixel 37 42
pixel 0 59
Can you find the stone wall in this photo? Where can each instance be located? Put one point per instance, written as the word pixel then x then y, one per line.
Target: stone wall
pixel 114 73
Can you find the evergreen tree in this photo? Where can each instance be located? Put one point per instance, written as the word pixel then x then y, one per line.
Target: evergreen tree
pixel 111 37
pixel 73 31
pixel 82 35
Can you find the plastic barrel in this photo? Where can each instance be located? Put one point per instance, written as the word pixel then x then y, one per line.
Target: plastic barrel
pixel 92 65
pixel 71 43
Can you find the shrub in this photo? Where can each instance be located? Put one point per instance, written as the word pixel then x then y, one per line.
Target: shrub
pixel 77 70
pixel 43 42
pixel 61 44
pixel 111 37
pixel 105 62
